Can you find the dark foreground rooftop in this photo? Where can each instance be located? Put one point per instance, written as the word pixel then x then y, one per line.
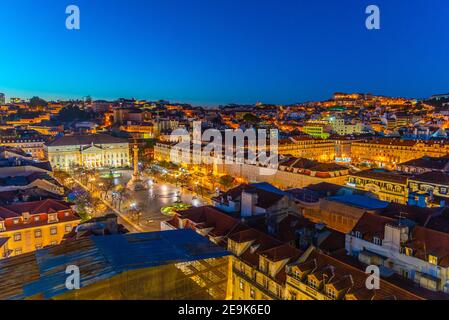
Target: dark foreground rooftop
pixel 99 258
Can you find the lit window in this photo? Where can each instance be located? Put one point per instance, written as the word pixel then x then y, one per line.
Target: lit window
pixel 37 218
pixel 408 251
pixel 433 260
pixel 38 233
pixel 68 228
pixel 18 251
pixel 17 236
pixel 53 230
pixel 313 283
pixel 331 293
pixel 252 293
pixel 242 285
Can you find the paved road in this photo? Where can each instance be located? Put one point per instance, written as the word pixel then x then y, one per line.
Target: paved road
pixel 152 200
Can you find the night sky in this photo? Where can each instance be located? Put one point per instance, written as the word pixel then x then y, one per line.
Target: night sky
pixel 221 51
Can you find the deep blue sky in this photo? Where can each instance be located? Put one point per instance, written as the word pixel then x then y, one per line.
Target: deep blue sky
pixel 221 51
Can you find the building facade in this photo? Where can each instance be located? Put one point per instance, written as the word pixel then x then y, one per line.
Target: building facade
pixel 32 146
pixel 391 151
pixel 88 151
pixel 29 226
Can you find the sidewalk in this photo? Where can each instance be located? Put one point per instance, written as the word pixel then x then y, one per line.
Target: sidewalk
pixel 127 222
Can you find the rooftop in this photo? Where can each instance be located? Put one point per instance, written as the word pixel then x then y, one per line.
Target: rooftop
pixel 85 139
pixel 101 258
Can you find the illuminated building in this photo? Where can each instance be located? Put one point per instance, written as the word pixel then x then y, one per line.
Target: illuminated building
pixel 316 129
pixel 391 151
pixel 139 130
pixel 340 127
pixel 291 172
pixel 26 121
pixel 307 147
pixel 258 264
pixel 32 146
pixel 2 98
pixel 318 276
pixel 388 186
pixel 29 226
pixel 88 150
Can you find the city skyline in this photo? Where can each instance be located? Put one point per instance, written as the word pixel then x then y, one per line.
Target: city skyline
pixel 218 53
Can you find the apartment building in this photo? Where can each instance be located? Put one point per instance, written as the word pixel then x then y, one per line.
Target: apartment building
pixel 392 151
pixel 401 246
pixel 29 226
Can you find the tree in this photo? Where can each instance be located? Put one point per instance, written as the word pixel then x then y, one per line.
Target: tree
pixel 38 102
pixel 251 118
pixel 74 113
pixel 226 181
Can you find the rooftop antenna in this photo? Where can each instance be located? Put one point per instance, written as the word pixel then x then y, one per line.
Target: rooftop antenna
pixel 401 217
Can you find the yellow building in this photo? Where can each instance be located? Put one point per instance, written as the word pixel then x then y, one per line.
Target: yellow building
pixel 89 151
pixel 29 226
pixel 32 146
pixel 308 147
pixel 391 151
pixel 258 264
pixel 316 130
pixel 317 276
pixel 388 186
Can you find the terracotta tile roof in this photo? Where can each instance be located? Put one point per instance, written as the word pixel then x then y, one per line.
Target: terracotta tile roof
pixel 371 225
pixel 350 280
pixel 281 252
pixel 382 175
pixel 426 242
pixel 34 207
pixel 433 177
pixel 417 214
pixel 433 163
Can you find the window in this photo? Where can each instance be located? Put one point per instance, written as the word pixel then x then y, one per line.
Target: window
pixel 252 293
pixel 38 246
pixel 18 251
pixel 68 228
pixel 53 230
pixel 242 285
pixel 53 243
pixel 331 293
pixel 377 241
pixel 297 275
pixel 357 234
pixel 433 259
pixel 408 251
pixel 38 233
pixel 37 218
pixel 15 221
pixel 313 283
pixel 293 296
pixel 17 236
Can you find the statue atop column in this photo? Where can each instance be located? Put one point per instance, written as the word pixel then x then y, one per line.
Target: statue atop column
pixel 136 183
